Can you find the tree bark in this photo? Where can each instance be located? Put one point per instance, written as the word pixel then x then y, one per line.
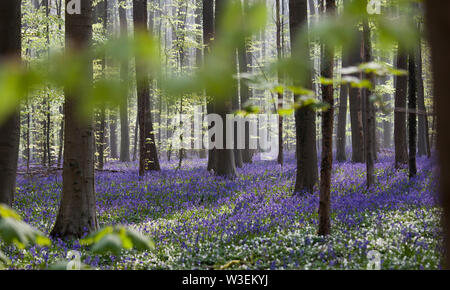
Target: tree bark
pixel 326 164
pixel 401 153
pixel 412 116
pixel 77 210
pixel 113 133
pixel 369 136
pixel 148 155
pixel 124 126
pixel 342 119
pixel 305 118
pixel 423 141
pixel 438 29
pixel 355 100
pixel 208 35
pixel 280 158
pixel 10 49
pixel 245 57
pixel 224 158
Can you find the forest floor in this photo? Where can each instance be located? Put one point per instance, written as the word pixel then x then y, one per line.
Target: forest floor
pixel 199 221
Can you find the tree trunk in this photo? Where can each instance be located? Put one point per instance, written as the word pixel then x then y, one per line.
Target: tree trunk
pixel 113 133
pixel 412 116
pixel 326 164
pixel 61 137
pixel 387 126
pixel 423 144
pixel 101 116
pixel 438 29
pixel 10 48
pixel 208 35
pixel 136 134
pixel 355 100
pixel 148 155
pixel 224 158
pixel 342 120
pixel 401 153
pixel 236 106
pixel 305 118
pixel 280 158
pixel 369 137
pixel 124 126
pixel 245 58
pixel 77 210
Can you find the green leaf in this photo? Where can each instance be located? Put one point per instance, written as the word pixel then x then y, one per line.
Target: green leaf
pixel 284 112
pixel 14 231
pixel 114 239
pixel 109 243
pixel 7 212
pixel 140 242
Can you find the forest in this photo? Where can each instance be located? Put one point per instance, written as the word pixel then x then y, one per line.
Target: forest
pixel 224 134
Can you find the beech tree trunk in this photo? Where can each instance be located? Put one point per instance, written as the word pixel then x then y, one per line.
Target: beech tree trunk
pixel 355 100
pixel 280 158
pixel 369 136
pixel 305 118
pixel 10 49
pixel 438 30
pixel 326 164
pixel 342 117
pixel 102 14
pixel 124 126
pixel 401 153
pixel 245 58
pixel 77 210
pixel 412 116
pixel 423 139
pixel 148 155
pixel 224 158
pixel 113 133
pixel 208 35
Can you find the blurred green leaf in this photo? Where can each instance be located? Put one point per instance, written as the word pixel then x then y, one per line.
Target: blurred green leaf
pixel 113 239
pixel 14 231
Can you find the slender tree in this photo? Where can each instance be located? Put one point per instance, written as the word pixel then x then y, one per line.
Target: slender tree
pixel 326 163
pixel 113 133
pixel 102 15
pixel 148 155
pixel 423 140
pixel 208 35
pixel 412 116
pixel 124 126
pixel 280 159
pixel 369 136
pixel 401 153
pixel 342 115
pixel 245 58
pixel 355 100
pixel 77 210
pixel 10 49
pixel 305 118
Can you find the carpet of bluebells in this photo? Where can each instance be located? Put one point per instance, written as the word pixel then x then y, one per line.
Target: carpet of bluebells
pixel 199 221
